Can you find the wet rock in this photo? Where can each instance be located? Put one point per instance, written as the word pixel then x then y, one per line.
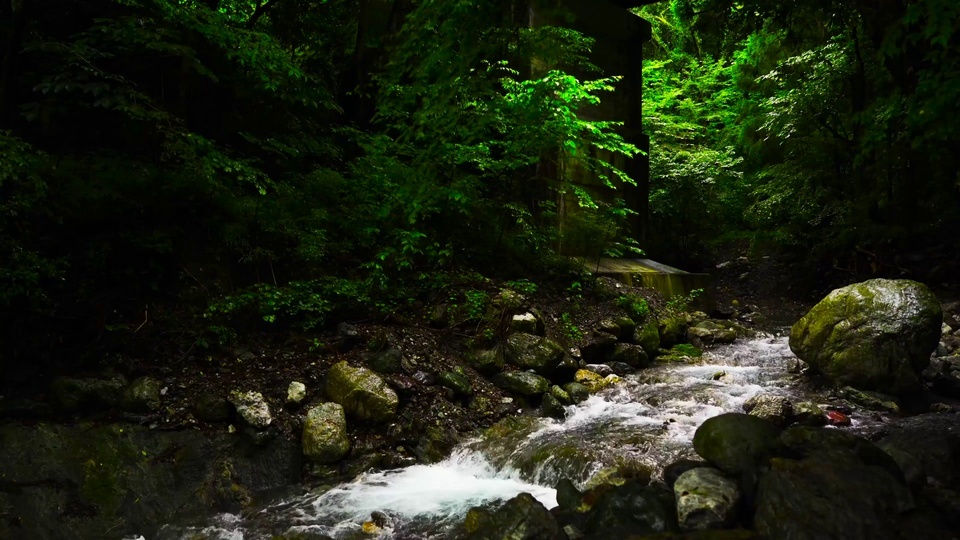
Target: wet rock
pixel 736 443
pixel 526 323
pixel 837 418
pixel 578 392
pixel 794 366
pixel 874 335
pixel 600 369
pixel 832 496
pixel 561 395
pixel 522 382
pixel 680 354
pixel 296 393
pixel 487 362
pixel 361 392
pixel 632 355
pixel 619 368
pixel 76 395
pixel 632 508
pixel 143 395
pixel 252 408
pixel 709 333
pixel 324 437
pixel 648 338
pixel 705 500
pixel 435 443
pixel 212 408
pixel 568 496
pixel 776 409
pixel 873 401
pixel 926 448
pixel 807 413
pixel 458 382
pixel 520 518
pixel 593 381
pixel 552 408
pixel 533 352
pixel 673 471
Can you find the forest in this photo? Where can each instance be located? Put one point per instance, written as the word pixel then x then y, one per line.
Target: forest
pixel 292 162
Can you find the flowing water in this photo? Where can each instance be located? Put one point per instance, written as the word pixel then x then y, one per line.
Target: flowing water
pixel 638 426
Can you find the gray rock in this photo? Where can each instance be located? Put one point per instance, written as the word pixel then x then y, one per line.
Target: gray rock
pixel 776 409
pixel 632 355
pixel 252 408
pixel 520 518
pixel 362 393
pixel 296 393
pixel 521 382
pixel 526 323
pixel 736 443
pixel 600 369
pixel 387 360
pixel 143 395
pixel 705 500
pixel 324 437
pixel 874 335
pixel 533 352
pixel 620 368
pixel 709 333
pixel 551 407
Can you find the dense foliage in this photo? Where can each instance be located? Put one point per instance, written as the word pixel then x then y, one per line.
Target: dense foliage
pixel 280 162
pixel 827 127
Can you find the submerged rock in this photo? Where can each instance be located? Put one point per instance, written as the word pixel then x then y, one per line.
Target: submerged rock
pixel 362 393
pixel 705 499
pixel 324 437
pixel 874 335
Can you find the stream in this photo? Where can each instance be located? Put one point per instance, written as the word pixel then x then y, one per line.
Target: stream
pixel 642 424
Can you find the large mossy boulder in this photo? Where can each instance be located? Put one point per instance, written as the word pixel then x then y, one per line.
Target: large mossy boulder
pixel 362 393
pixel 736 443
pixel 325 434
pixel 648 337
pixel 874 335
pixel 529 351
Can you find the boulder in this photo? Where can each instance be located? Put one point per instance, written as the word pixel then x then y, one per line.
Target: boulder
pixel 458 382
pixel 487 361
pixel 873 401
pixel 143 395
pixel 578 392
pixel 533 352
pixel 252 408
pixel 705 499
pixel 361 392
pixel 926 448
pixel 807 413
pixel 833 496
pixel 648 337
pixel 526 323
pixel 74 395
pixel 520 518
pixel 874 335
pixel 632 508
pixel 672 330
pixel 521 382
pixel 593 381
pixel 632 355
pixel 736 443
pixel 561 395
pixel 212 408
pixel 296 393
pixel 600 369
pixel 598 347
pixel 387 360
pixel 619 368
pixel 325 434
pixel 552 408
pixel 709 333
pixel 776 409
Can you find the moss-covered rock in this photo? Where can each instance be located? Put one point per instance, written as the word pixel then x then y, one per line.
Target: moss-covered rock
pixel 705 499
pixel 143 395
pixel 672 329
pixel 529 351
pixel 522 382
pixel 874 335
pixel 594 382
pixel 710 332
pixel 487 361
pixel 682 353
pixel 458 382
pixel 736 443
pixel 324 438
pixel 362 393
pixel 578 392
pixel 648 337
pixel 520 518
pixel 252 408
pixel 632 355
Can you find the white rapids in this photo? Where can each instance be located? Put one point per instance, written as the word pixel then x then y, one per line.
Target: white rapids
pixel 647 421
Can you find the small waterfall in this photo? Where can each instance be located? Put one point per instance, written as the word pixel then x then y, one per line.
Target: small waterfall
pixel 641 425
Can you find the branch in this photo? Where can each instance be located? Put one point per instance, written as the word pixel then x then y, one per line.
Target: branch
pixel 259 12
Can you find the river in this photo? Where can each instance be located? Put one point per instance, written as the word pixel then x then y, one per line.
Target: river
pixel 642 424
